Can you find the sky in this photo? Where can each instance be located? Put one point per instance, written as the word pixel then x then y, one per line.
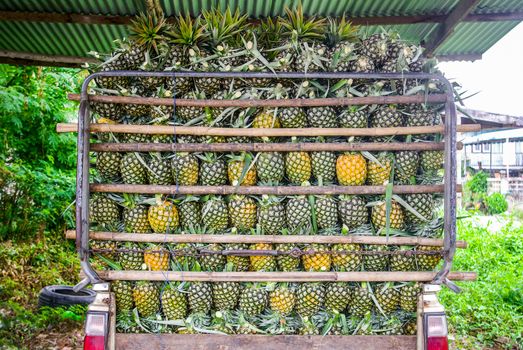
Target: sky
pixel 497 77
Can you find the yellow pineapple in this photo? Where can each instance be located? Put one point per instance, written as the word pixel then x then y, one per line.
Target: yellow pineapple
pixel 320 260
pixel 267 119
pixel 240 168
pixel 156 258
pixel 351 169
pixel 262 262
pixel 379 215
pixel 163 216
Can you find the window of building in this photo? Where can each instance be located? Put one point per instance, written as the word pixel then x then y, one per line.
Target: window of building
pixel 497 147
pixel 519 146
pixel 476 148
pixel 485 147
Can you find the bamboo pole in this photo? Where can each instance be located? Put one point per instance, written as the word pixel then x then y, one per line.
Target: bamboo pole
pixel 247 103
pixel 260 190
pixel 208 238
pixel 253 132
pixel 268 147
pixel 380 276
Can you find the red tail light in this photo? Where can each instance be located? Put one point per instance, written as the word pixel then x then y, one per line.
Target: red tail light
pixel 436 330
pixel 96 330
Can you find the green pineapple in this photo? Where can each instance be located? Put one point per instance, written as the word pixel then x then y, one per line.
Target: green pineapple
pixel 340 37
pixel 146 297
pixel 103 210
pixel 326 210
pixel 423 204
pixel 322 117
pixel 200 297
pixel 108 165
pixel 376 262
pixel 135 215
pixel 210 261
pixel 185 169
pixel 343 261
pixel 292 117
pixel 270 167
pixel 324 166
pixel 132 169
pixel 409 297
pixel 253 299
pixel 309 298
pixel 190 212
pixel 123 292
pixel 431 161
pixel 298 167
pixel 376 47
pixel 159 170
pixel 271 215
pixel 402 262
pixel 215 215
pixel 353 211
pixel 361 302
pixel 337 296
pixel 242 212
pixel 388 298
pixel 287 262
pixel 428 262
pixel 131 258
pixel 174 302
pixel 386 117
pixel 226 294
pixel 406 165
pixel 298 213
pixel 186 114
pixel 213 170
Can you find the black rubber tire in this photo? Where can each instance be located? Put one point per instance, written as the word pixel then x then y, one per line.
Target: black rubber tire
pixel 54 296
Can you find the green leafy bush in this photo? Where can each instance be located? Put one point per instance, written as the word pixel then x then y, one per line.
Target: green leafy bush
pixel 478 184
pixel 496 203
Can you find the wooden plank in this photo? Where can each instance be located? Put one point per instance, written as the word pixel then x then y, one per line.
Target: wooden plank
pixel 253 132
pixel 262 342
pixel 460 57
pixel 36 59
pixel 260 190
pixel 247 103
pixel 208 238
pixel 331 276
pixel 458 13
pixel 268 147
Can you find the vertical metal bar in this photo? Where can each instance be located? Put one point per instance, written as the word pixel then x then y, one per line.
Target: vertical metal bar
pixel 450 179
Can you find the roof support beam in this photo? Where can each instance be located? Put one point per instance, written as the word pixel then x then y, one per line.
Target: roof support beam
pixel 35 59
pixel 363 21
pixel 458 13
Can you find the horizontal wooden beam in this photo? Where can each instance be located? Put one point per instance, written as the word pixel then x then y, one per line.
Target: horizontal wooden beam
pixel 254 132
pixel 36 59
pixel 78 18
pixel 269 147
pixel 460 57
pixel 208 238
pixel 368 276
pixel 129 341
pixel 249 103
pixel 260 190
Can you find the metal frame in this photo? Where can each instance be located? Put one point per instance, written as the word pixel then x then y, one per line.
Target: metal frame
pixel 82 178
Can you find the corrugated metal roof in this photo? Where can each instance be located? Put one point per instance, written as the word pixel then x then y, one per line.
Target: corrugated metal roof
pixel 77 39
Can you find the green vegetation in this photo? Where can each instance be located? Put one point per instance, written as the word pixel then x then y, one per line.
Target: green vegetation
pixel 496 204
pixel 489 310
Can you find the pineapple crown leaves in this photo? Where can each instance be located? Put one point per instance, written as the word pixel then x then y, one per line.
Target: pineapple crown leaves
pixel 269 32
pixel 223 27
pixel 148 31
pixel 186 31
pixel 340 30
pixel 298 28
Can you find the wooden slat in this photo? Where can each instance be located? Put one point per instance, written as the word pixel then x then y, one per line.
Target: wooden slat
pixel 253 132
pixel 260 190
pixel 36 59
pixel 378 276
pixel 208 238
pixel 268 147
pixel 445 30
pixel 249 103
pixel 262 342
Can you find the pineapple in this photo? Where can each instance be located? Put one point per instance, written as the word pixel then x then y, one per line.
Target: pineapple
pixel 213 171
pixel 378 173
pixel 292 117
pixel 131 258
pixel 241 170
pixel 147 32
pixel 267 119
pixel 146 297
pixel 108 165
pixel 174 302
pixel 110 111
pixel 163 216
pixel 417 116
pixel 324 166
pixel 237 263
pixel 156 258
pixel 322 117
pixel 361 302
pixel 185 169
pixel 159 170
pixel 340 36
pixel 125 322
pixel 353 211
pixel 190 212
pixel 242 211
pixel 253 300
pixel 212 261
pixel 132 169
pixel 215 215
pixel 351 169
pixel 353 117
pixel 287 262
pixel 320 260
pixel 282 299
pixel 262 262
pixel 187 114
pixel 271 215
pixel 406 165
pixel 123 292
pixel 337 296
pixel 409 297
pixel 309 298
pixel 379 213
pixel 428 262
pixel 135 216
pixel 431 161
pixel 386 117
pixel 388 298
pixel 298 212
pixel 103 210
pixel 343 261
pixel 298 167
pixel 270 167
pixel 376 262
pixel 326 210
pixel 423 204
pixel 308 327
pixel 410 327
pixel 402 262
pixel 200 297
pixel 376 47
pixel 226 294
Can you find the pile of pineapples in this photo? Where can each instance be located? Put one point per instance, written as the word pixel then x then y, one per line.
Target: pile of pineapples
pixel 225 41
